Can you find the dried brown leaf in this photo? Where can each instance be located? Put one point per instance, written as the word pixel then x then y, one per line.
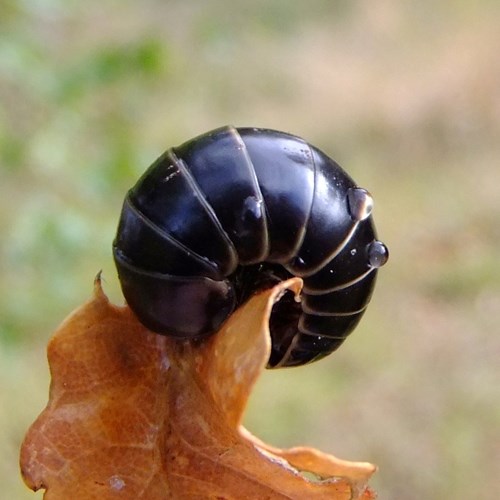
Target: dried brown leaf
pixel 132 414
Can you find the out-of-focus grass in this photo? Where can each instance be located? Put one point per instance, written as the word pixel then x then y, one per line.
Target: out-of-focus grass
pixel 404 95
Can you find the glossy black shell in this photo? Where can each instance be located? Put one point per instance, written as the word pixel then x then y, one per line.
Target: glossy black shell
pixel 234 211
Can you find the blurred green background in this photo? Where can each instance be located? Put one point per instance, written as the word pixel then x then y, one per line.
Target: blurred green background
pixel 405 95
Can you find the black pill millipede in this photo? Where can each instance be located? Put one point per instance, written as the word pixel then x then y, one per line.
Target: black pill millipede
pixel 234 211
